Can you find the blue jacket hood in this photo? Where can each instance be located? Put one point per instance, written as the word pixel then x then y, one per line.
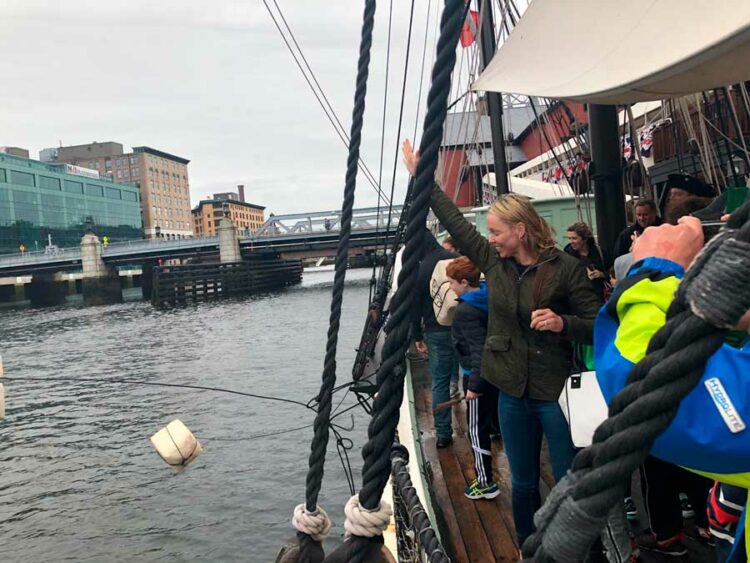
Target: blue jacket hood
pixel 477 298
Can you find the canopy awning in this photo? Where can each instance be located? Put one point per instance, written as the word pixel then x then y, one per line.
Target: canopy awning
pixel 615 52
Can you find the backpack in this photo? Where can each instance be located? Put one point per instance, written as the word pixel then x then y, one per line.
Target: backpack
pixel 443 297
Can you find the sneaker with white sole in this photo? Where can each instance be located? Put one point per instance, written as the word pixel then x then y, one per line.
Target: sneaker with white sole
pixel 476 491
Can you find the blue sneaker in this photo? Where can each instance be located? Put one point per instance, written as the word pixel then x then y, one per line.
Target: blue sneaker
pixel 476 491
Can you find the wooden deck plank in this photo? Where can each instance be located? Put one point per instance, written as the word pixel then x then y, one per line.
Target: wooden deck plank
pixel 474 530
pixel 450 531
pixel 471 525
pixel 494 523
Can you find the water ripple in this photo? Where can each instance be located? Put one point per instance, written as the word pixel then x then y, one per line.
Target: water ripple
pixel 79 480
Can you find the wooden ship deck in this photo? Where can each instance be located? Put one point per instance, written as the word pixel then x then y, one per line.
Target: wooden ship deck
pixel 483 530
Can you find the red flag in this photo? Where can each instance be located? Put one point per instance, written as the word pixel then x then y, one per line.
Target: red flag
pixel 469 30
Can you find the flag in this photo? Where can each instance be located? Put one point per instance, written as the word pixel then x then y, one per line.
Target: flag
pixel 469 30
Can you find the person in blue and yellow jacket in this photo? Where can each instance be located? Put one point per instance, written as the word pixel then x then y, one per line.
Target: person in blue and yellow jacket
pixel 710 433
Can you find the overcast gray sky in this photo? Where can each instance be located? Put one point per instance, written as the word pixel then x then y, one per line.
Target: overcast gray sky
pixel 212 82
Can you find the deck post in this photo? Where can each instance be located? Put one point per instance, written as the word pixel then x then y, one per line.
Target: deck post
pixel 607 177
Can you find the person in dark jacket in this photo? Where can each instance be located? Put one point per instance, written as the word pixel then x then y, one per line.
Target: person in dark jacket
pixel 540 300
pixel 468 331
pixel 434 339
pixel 647 215
pixel 581 245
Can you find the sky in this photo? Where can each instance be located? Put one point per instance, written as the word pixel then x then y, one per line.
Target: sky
pixel 213 82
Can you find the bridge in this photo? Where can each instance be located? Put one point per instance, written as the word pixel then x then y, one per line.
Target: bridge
pixel 290 236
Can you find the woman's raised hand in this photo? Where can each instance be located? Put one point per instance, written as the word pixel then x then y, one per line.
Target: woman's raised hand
pixel 411 157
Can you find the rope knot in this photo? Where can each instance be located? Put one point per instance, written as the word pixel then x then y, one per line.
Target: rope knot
pixel 315 524
pixel 719 294
pixel 366 523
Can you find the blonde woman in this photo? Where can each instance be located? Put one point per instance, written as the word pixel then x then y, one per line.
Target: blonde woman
pixel 540 300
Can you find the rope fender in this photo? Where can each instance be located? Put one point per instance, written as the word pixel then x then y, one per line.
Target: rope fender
pixel 576 510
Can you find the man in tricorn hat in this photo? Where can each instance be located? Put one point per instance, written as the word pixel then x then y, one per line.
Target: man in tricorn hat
pixel 687 194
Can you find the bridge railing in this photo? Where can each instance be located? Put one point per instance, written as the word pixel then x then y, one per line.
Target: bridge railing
pixel 275 227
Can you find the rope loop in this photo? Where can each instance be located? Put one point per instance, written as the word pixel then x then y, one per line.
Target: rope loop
pixel 366 523
pixel 315 524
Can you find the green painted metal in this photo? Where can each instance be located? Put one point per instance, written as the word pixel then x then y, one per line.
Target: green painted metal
pixel 558 212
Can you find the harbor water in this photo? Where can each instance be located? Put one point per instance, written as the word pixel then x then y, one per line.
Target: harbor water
pixel 79 479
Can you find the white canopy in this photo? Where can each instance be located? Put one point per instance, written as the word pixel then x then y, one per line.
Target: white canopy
pixel 533 189
pixel 615 52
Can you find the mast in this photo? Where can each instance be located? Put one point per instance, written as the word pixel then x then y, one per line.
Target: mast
pixel 494 99
pixel 609 197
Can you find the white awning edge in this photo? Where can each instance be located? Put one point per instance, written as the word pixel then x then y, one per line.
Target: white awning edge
pixel 614 52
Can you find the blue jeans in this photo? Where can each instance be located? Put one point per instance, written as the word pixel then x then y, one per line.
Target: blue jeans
pixel 522 422
pixel 443 365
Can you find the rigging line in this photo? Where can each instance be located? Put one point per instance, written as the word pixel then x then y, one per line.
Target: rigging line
pixel 125 381
pixel 433 52
pixel 451 160
pixel 332 117
pixel 385 95
pixel 365 170
pixel 421 70
pixel 546 138
pixel 373 280
pixel 400 115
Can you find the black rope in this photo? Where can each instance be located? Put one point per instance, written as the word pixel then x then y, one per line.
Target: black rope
pixel 390 376
pixel 125 381
pixel 310 550
pixel 639 413
pixel 419 520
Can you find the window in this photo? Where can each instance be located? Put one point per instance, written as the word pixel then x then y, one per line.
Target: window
pixel 113 193
pixel 73 187
pixel 133 160
pixel 107 163
pixel 153 210
pixel 3 177
pixel 129 196
pixel 49 183
pixel 24 197
pixel 94 190
pixel 22 178
pixel 119 174
pixel 136 172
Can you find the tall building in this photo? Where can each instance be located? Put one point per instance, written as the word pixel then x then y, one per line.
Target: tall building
pixel 248 217
pixel 162 179
pixel 38 200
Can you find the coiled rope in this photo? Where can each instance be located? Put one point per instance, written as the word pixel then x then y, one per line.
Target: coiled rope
pixel 576 510
pixel 390 376
pixel 310 549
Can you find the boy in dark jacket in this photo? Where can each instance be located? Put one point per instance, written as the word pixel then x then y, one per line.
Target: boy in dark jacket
pixel 468 333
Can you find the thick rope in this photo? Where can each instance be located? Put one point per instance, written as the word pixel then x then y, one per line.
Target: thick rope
pixel 419 520
pixel 366 523
pixel 311 553
pixel 316 524
pixel 576 511
pixel 390 376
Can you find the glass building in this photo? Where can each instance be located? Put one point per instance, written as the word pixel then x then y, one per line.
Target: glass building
pixel 38 199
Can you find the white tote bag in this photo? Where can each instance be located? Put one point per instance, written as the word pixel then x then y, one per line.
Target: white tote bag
pixel 584 406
